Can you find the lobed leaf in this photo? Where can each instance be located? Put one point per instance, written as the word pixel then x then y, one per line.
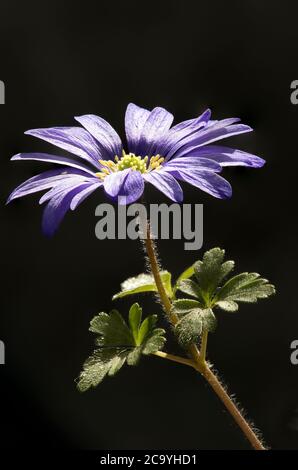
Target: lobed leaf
pixel 210 290
pixel 245 287
pixel 119 342
pixel 184 306
pixel 144 283
pixel 191 326
pixel 189 287
pixel 211 271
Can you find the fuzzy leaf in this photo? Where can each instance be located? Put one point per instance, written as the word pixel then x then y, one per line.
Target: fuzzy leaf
pixel 134 318
pixel 210 289
pixel 191 326
pixel 97 366
pixel 227 305
pixel 189 287
pixel 112 330
pixel 154 342
pixel 211 272
pixel 189 272
pixel 146 327
pixel 184 306
pixel 119 343
pixel 246 287
pixel 144 283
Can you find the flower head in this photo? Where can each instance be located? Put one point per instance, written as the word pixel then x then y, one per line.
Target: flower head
pixel 156 153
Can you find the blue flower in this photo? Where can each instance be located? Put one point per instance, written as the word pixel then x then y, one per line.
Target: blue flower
pixel 156 153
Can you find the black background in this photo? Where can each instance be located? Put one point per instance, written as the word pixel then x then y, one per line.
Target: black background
pixel 61 59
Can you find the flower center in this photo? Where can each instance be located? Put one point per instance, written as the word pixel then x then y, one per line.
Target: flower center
pixel 130 160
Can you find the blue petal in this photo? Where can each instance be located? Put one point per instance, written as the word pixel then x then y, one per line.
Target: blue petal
pixel 157 124
pixel 46 180
pixel 45 157
pixel 135 118
pixel 166 183
pixel 80 197
pixel 125 186
pixel 105 135
pixel 57 207
pixel 226 156
pixel 189 162
pixel 72 139
pixel 220 130
pixel 180 131
pixel 114 181
pixel 207 181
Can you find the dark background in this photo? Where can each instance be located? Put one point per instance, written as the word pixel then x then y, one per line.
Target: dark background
pixel 61 59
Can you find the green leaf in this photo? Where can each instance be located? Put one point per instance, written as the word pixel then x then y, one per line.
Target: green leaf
pixel 154 342
pixel 144 283
pixel 191 326
pixel 210 289
pixel 184 306
pixel 98 366
pixel 146 327
pixel 134 356
pixel 245 287
pixel 227 305
pixel 187 273
pixel 211 272
pixel 189 287
pixel 118 343
pixel 112 330
pixel 134 318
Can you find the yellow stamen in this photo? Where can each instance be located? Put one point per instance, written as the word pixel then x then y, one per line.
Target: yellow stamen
pixel 130 160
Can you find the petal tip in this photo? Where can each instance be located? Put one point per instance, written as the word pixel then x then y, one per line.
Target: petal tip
pixel 260 162
pixel 16 157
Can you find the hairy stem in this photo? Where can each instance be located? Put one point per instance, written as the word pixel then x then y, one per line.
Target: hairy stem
pixel 203 348
pixel 198 362
pixel 150 248
pixel 172 357
pixel 232 408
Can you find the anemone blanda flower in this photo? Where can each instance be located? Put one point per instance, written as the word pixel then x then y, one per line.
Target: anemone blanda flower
pixel 156 153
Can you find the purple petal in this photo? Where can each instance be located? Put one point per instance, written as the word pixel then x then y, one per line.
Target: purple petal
pixel 156 125
pixel 180 131
pixel 135 118
pixel 192 124
pixel 80 197
pixel 226 156
pixel 72 139
pixel 57 207
pixel 43 181
pixel 220 130
pixel 45 157
pixel 61 186
pixel 166 183
pixel 127 185
pixel 114 181
pixel 104 133
pixel 190 162
pixel 132 188
pixel 207 181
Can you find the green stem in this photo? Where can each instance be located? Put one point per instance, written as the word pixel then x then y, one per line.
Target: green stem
pixel 172 357
pixel 199 362
pixel 203 348
pixel 150 248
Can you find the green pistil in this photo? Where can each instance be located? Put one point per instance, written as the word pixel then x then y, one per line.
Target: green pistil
pixel 132 161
